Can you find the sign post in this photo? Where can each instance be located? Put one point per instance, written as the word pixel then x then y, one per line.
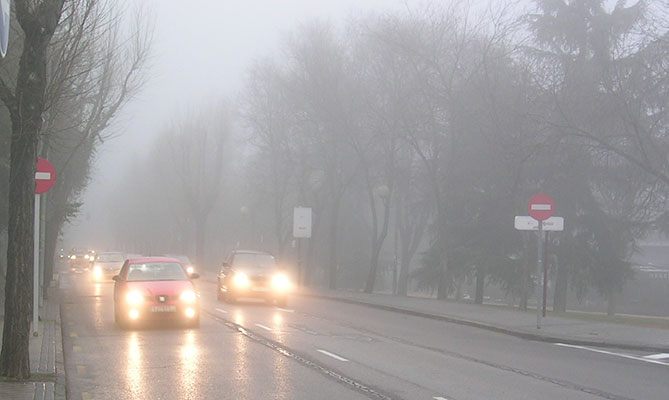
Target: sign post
pixel 301 230
pixel 4 26
pixel 45 177
pixel 541 208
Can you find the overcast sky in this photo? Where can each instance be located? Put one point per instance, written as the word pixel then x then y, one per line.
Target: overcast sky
pixel 200 53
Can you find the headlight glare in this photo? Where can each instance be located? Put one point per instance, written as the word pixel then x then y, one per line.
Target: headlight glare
pixel 134 298
pixel 241 280
pixel 188 296
pixel 281 282
pixel 190 269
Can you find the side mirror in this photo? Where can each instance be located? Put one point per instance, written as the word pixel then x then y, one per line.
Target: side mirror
pixel 116 278
pixel 194 275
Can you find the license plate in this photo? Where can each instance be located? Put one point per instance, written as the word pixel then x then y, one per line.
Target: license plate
pixel 163 308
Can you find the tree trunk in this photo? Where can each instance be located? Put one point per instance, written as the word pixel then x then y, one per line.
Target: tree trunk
pixel 612 299
pixel 442 289
pixel 200 231
pixel 480 284
pixel 561 286
pixel 25 106
pixel 332 253
pixel 14 358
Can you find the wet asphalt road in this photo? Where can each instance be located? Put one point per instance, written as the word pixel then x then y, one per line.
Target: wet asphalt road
pixel 318 349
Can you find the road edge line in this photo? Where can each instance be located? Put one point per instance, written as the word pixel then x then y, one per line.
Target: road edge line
pixel 494 328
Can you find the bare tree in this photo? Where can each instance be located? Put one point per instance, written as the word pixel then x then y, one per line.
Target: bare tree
pixel 25 102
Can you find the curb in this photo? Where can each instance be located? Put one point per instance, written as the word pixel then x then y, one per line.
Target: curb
pixel 546 338
pixel 59 388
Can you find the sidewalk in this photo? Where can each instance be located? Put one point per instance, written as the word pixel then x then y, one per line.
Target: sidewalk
pixel 516 323
pixel 46 359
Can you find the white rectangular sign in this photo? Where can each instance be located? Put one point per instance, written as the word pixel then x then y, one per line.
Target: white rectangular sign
pixel 526 223
pixel 302 222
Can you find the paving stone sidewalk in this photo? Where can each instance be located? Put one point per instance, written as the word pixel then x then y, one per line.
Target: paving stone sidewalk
pixel 522 324
pixel 46 359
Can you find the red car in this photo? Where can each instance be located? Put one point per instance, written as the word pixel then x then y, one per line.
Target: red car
pixel 155 288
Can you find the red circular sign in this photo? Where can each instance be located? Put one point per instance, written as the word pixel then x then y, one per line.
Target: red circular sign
pixel 541 207
pixel 45 176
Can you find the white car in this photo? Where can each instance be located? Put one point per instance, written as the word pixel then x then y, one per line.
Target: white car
pixel 106 265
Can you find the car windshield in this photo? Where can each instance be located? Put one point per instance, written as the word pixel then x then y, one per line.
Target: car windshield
pixel 110 258
pixel 156 271
pixel 253 260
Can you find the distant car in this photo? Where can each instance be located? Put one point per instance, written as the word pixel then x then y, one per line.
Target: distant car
pixel 190 268
pixel 253 274
pixel 155 288
pixel 106 265
pixel 79 260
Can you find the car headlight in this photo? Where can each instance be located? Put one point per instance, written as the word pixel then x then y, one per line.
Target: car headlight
pixel 188 296
pixel 134 298
pixel 87 257
pixel 73 257
pixel 190 269
pixel 281 282
pixel 241 280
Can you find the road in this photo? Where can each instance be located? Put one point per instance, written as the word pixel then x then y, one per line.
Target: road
pixel 320 349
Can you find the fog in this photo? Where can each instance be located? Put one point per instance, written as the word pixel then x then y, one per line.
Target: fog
pixel 415 131
pixel 200 52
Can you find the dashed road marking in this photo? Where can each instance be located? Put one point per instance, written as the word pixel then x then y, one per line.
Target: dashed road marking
pixel 221 310
pixel 336 357
pixel 284 309
pixel 74 335
pixel 86 396
pixel 660 356
pixel 81 369
pixel 264 327
pixel 76 349
pixel 648 360
pixel 440 398
pixel 70 323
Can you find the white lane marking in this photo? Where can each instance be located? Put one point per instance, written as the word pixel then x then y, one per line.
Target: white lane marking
pixel 264 327
pixel 221 310
pixel 660 356
pixel 43 176
pixel 541 207
pixel 336 357
pixel 614 354
pixel 440 398
pixel 284 309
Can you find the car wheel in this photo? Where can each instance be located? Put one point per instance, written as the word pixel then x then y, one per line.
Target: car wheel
pixel 281 302
pixel 118 319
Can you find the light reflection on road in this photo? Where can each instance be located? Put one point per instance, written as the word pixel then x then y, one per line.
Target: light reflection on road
pixel 97 292
pixel 242 373
pixel 190 362
pixel 134 374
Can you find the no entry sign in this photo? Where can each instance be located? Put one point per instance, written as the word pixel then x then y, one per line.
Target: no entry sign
pixel 45 176
pixel 541 207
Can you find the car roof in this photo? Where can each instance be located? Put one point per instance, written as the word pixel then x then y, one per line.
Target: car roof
pixel 152 259
pixel 251 252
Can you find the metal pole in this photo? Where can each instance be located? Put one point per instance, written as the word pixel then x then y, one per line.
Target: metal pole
pixel 36 267
pixel 545 261
pixel 540 251
pixel 300 274
pixel 42 244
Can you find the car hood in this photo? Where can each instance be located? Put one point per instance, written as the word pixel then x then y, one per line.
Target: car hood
pixel 153 288
pixel 110 264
